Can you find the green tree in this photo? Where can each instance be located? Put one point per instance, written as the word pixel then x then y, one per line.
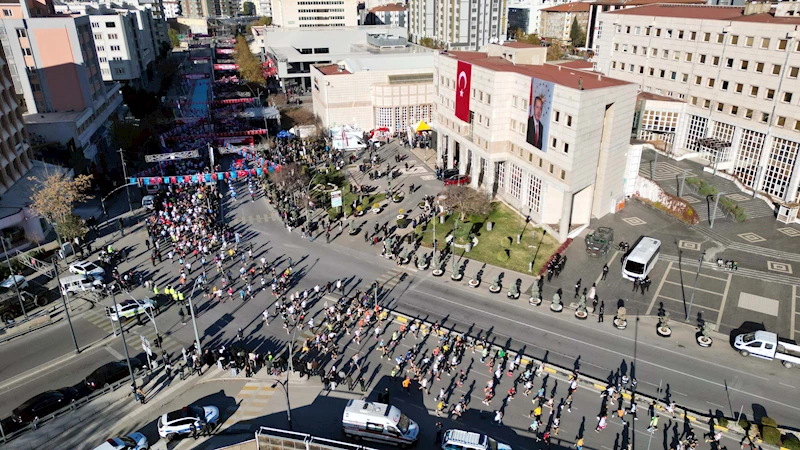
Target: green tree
pixel 532 39
pixel 71 227
pixel 249 8
pixel 554 51
pixel 576 34
pixel 173 37
pixel 249 65
pixel 260 22
pixel 429 42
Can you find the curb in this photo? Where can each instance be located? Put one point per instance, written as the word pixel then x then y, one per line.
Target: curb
pixel 31 327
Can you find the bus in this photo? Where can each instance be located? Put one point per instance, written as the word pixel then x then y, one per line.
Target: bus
pixel 641 258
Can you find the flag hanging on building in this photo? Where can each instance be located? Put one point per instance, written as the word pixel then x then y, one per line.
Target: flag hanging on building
pixel 463 80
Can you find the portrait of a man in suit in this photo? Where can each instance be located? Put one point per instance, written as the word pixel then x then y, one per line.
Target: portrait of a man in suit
pixel 535 132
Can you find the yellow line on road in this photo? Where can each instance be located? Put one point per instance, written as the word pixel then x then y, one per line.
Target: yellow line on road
pixel 660 285
pixel 724 300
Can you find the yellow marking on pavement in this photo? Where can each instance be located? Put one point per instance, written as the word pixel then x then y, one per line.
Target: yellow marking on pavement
pixel 524 362
pixel 599 386
pixel 250 387
pixel 692 418
pixel 402 319
pixel 721 428
pixel 724 300
pixel 549 370
pixel 658 289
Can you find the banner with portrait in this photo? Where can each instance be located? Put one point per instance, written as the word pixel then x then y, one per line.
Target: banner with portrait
pixel 539 107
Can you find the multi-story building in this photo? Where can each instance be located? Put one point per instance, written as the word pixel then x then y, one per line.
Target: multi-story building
pixel 198 8
pixel 172 9
pixel 57 78
pixel 556 21
pixel 551 141
pixel 394 14
pixel 458 25
pixel 293 52
pixel 123 37
pixel 314 13
pixel 525 15
pixel 159 18
pixel 392 88
pixel 17 155
pixel 600 6
pixel 731 74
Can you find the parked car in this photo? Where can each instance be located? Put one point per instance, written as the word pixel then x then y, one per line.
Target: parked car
pixel 44 404
pixel 457 180
pixel 110 373
pixel 133 441
pixel 87 268
pixel 179 423
pixel 130 308
pixel 8 284
pixel 448 173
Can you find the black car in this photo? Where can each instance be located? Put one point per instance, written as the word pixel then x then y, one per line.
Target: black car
pixel 44 404
pixel 448 173
pixel 110 373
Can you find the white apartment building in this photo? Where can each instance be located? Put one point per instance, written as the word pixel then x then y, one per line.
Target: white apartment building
pixel 525 15
pixel 458 25
pixel 734 73
pixel 314 13
pixel 123 37
pixel 392 89
pixel 584 120
pixel 172 9
pixel 556 21
pixel 294 51
pixel 395 14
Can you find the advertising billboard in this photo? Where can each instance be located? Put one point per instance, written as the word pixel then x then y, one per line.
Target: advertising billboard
pixel 539 107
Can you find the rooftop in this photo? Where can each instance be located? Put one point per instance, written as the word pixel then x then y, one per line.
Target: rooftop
pixel 656 97
pixel 707 12
pixel 333 69
pixel 379 62
pixel 516 44
pixel 643 2
pixel 547 72
pixel 579 64
pixel 391 7
pixel 570 7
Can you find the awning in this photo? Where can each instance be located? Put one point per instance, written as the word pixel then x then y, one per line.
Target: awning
pixel 256 112
pixel 422 126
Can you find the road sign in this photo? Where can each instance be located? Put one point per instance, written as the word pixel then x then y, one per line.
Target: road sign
pixel 336 199
pixel 146 346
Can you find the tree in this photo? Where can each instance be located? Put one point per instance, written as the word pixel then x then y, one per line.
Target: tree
pixel 173 37
pixel 429 42
pixel 554 51
pixel 532 39
pixel 260 22
pixel 466 201
pixel 249 65
pixel 291 177
pixel 576 34
pixel 71 227
pixel 249 9
pixel 55 197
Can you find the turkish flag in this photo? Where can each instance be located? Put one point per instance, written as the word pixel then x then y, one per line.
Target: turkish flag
pixel 463 80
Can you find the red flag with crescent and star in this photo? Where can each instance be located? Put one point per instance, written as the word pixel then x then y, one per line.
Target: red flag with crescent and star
pixel 463 81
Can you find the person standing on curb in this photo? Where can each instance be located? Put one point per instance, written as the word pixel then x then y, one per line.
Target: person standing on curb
pixel 600 311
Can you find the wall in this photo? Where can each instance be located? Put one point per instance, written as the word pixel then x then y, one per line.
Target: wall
pixel 57 63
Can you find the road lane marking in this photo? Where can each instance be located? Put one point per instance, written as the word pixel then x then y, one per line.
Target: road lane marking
pixel 114 353
pixel 787 385
pixel 698 289
pixel 660 285
pixel 724 299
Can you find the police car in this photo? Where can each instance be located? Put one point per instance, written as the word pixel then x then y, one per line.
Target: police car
pixel 133 441
pixel 179 423
pixel 130 308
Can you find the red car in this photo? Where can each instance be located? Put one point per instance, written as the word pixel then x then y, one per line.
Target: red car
pixel 457 180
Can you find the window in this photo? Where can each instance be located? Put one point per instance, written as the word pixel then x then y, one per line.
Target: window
pixel 770 94
pixel 103 59
pixel 113 36
pixel 764 42
pixel 652 71
pixel 115 48
pixel 782 43
pixel 566 147
pixel 688 57
pixel 669 34
pixel 797 125
pixel 534 193
pixel 637 30
pixel 702 59
pixel 753 91
pixel 119 70
pixel 776 69
pixel 662 73
pixel 684 77
pixel 111 25
pixel 706 37
pixel 748 41
pixel 658 32
pixel 734 39
pixel 715 61
pixel 764 117
pixel 729 63
pixel 653 52
pixel 720 107
pixel 697 80
pixel 100 48
pixel 551 167
pixel 744 64
pixel 488 100
pixel 21 33
pixel 787 97
pixel 781 121
pixel 553 142
pixel 8 13
pixel 693 36
pixel 563 174
pixel 569 120
pixel 680 34
pixel 734 110
pixel 98 36
pixel 664 54
pixel 748 114
pixel 720 38
pixel 724 86
pixel 557 116
pixel 706 104
pixel 95 25
pixel 673 75
pixel 793 71
pixel 711 82
pixel 515 181
pixel 676 56
pixel 739 88
pixel 759 67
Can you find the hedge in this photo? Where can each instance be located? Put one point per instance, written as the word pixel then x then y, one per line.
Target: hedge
pixel 771 435
pixel 791 442
pixel 703 187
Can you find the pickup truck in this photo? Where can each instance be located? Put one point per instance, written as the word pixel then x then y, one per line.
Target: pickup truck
pixel 764 344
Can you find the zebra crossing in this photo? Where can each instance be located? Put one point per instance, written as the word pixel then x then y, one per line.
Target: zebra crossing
pixel 392 277
pixel 171 345
pixel 259 218
pixel 250 403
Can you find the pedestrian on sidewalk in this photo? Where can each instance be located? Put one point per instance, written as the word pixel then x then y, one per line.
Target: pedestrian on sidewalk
pixel 578 288
pixel 600 312
pixel 605 272
pixel 182 315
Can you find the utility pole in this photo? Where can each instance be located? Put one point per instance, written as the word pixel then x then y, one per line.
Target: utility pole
pixel 14 277
pixel 66 310
pixel 194 320
pixel 697 275
pixel 124 345
pixel 125 177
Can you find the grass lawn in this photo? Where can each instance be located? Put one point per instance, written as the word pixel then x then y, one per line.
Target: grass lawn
pixel 349 197
pixel 492 245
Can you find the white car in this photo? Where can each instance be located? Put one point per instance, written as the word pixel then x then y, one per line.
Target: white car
pixel 133 441
pixel 87 268
pixel 22 282
pixel 130 308
pixel 179 423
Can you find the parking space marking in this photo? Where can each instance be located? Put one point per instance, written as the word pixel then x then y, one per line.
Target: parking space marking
pixel 694 306
pixel 724 299
pixel 658 289
pixel 697 289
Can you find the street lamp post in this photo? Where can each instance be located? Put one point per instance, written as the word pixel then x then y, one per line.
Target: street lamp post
pixel 66 310
pixel 125 346
pixel 697 275
pixel 194 319
pixel 13 277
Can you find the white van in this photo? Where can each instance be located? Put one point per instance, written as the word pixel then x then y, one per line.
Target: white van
pixel 148 202
pixel 378 422
pixel 80 283
pixel 467 440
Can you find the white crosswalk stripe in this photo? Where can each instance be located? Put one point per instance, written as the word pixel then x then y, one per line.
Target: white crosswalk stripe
pixel 103 322
pixel 259 218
